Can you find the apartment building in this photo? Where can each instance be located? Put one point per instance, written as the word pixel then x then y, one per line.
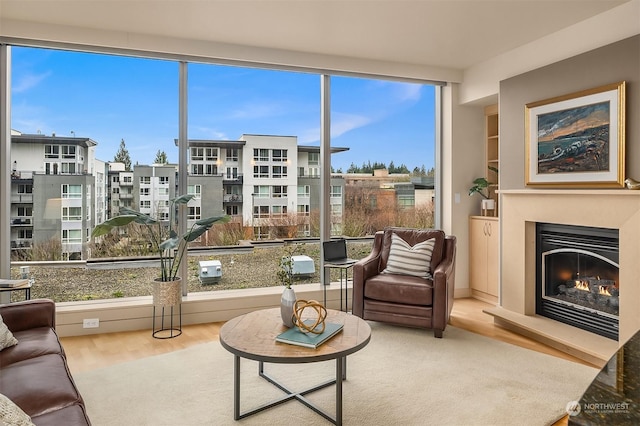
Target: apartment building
pixel 269 182
pixel 389 190
pixel 53 191
pixel 120 188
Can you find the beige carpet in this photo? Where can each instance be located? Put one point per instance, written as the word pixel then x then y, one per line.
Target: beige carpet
pixel 403 377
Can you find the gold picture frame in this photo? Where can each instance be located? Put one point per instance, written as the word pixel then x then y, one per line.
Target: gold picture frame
pixel 577 140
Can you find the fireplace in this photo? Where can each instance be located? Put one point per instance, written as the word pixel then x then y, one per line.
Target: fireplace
pixel 577 276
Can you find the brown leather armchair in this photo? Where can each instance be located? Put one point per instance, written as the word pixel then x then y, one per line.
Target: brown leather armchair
pixel 405 299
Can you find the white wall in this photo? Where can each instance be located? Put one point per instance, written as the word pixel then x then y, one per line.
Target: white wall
pixel 462 148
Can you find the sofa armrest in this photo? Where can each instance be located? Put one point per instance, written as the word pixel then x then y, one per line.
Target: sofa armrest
pixel 444 285
pixel 19 316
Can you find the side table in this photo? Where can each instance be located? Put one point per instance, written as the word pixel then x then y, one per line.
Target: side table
pixel 24 287
pixel 344 277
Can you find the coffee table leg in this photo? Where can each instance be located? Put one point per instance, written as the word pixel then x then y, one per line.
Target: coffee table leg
pixel 344 368
pixel 236 387
pixel 339 365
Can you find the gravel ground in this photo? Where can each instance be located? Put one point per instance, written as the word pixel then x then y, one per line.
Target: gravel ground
pixel 239 270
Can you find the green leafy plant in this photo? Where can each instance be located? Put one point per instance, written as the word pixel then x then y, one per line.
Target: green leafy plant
pixel 480 184
pixel 163 236
pixel 285 272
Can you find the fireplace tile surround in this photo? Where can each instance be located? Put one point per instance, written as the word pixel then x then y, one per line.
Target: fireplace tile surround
pixel 520 211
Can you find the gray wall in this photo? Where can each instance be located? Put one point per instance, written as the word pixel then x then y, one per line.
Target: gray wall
pixel 610 64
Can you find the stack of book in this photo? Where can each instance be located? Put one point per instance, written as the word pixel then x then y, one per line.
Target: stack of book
pixel 294 336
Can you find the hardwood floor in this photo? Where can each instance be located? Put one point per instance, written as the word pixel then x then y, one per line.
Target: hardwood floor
pixel 100 350
pixel 86 353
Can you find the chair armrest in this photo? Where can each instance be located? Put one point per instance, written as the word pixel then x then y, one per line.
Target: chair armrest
pixel 19 316
pixel 444 285
pixel 364 269
pixel 367 267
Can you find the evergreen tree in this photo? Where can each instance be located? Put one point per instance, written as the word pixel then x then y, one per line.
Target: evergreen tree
pixel 161 158
pixel 122 156
pixel 403 169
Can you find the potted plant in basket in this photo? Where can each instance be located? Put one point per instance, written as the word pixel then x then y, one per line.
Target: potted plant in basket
pixel 165 241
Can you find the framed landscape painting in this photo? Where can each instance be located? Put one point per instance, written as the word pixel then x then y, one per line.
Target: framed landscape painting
pixel 577 140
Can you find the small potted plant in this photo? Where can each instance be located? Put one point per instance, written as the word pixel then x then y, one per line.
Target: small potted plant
pixel 286 277
pixel 479 186
pixel 166 242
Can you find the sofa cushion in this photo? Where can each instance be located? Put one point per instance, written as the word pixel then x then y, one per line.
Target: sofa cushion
pixel 6 337
pixel 11 414
pixel 405 259
pixel 45 384
pixel 34 342
pixel 405 289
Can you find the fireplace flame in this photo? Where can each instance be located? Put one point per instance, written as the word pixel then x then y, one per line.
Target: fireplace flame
pixel 603 290
pixel 582 285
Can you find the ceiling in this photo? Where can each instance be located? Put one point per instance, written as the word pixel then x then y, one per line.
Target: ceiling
pixel 453 34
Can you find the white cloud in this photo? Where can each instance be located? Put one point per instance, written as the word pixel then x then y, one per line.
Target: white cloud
pixel 209 133
pixel 342 123
pixel 28 81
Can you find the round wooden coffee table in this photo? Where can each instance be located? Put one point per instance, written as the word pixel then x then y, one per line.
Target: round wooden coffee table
pixel 253 335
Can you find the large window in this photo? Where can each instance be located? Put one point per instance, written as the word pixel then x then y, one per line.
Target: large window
pixel 389 128
pixel 304 190
pixel 71 191
pixel 279 155
pixel 71 236
pixel 72 213
pixel 279 191
pixel 114 100
pixel 194 190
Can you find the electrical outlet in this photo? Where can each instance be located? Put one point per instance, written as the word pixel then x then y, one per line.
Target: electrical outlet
pixel 91 323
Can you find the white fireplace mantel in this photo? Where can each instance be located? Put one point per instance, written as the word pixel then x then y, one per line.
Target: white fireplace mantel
pixel 519 212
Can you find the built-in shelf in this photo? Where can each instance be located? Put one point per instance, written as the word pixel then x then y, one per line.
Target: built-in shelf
pixel 492 153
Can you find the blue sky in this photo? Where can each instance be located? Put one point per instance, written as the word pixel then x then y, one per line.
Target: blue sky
pixel 108 98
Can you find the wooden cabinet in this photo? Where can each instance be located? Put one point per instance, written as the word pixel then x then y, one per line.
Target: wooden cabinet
pixel 492 153
pixel 484 236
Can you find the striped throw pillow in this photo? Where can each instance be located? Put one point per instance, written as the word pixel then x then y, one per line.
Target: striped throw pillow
pixel 6 337
pixel 407 260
